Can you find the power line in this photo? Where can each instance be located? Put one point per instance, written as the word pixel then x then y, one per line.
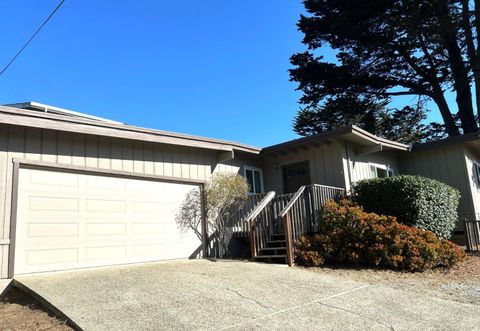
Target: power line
pixel 33 36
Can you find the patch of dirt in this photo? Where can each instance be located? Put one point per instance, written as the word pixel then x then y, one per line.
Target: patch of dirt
pixel 460 283
pixel 19 311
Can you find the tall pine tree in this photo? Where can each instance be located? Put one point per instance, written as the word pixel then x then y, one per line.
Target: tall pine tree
pixel 421 48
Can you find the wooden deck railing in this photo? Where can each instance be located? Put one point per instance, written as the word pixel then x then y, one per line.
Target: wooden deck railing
pixel 260 223
pixel 238 226
pixel 292 215
pixel 303 213
pixel 472 233
pixel 317 195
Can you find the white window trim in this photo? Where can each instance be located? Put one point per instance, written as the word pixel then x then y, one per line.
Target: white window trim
pixel 476 170
pixel 385 167
pixel 245 168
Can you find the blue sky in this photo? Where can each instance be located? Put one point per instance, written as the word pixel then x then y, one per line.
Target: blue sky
pixel 216 68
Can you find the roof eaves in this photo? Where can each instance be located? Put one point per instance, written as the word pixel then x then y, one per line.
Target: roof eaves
pixel 305 140
pixel 32 105
pixel 380 140
pixel 89 126
pixel 447 141
pixel 337 133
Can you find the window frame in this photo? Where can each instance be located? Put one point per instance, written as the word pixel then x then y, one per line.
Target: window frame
pixel 260 171
pixel 388 169
pixel 476 169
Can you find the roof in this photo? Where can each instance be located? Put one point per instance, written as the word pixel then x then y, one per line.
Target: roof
pixel 349 133
pixel 63 120
pixel 36 106
pixel 34 114
pixel 462 139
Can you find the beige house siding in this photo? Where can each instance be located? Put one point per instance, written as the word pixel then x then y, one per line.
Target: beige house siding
pixel 471 157
pixel 360 164
pixel 447 165
pixel 237 165
pixel 66 148
pixel 326 166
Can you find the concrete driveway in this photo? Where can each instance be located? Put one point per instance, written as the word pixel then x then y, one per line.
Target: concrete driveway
pixel 224 295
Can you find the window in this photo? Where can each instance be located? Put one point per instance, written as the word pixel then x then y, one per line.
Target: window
pixel 254 178
pixel 477 172
pixel 380 171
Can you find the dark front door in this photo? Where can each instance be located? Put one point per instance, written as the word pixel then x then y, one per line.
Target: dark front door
pixel 295 175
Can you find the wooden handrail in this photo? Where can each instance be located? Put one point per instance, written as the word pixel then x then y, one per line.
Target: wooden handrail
pixel 239 212
pixel 292 201
pixel 265 201
pixel 288 239
pixel 334 187
pixel 288 224
pixel 252 218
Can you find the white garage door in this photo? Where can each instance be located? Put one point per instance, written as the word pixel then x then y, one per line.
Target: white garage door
pixel 73 220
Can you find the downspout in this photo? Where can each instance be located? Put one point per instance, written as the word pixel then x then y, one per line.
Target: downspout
pixel 349 171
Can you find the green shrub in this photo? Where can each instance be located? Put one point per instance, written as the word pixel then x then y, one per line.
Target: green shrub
pixel 416 201
pixel 350 236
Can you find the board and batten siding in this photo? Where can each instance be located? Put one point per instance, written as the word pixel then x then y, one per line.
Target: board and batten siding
pixel 326 166
pixel 447 165
pixel 360 164
pixel 237 165
pixel 65 148
pixel 472 158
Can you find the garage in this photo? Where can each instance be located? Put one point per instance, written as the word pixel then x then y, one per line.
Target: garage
pixel 70 219
pixel 78 191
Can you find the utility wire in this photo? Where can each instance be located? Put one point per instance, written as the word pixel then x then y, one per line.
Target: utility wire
pixel 33 36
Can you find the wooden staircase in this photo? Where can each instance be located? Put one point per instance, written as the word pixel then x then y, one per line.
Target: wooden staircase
pixel 276 223
pixel 275 249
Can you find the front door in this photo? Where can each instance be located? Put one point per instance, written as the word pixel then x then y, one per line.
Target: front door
pixel 295 175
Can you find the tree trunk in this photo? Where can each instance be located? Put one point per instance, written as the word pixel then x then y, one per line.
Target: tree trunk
pixel 461 82
pixel 472 52
pixel 476 20
pixel 447 117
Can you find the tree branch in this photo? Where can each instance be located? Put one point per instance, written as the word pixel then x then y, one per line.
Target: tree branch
pixel 398 93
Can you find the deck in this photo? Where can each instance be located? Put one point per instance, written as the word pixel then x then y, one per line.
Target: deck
pixel 273 223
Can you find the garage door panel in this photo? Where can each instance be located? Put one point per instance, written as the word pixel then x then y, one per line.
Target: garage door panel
pixel 49 230
pixel 96 253
pixel 148 251
pixel 146 187
pixel 101 221
pixel 51 257
pixel 145 207
pixel 47 203
pixel 106 229
pixel 60 179
pixel 105 206
pixel 96 183
pixel 147 228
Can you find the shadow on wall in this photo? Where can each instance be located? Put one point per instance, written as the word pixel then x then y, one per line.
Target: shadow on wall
pixel 189 215
pixel 189 218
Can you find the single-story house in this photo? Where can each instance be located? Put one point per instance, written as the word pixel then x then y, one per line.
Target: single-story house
pixel 454 161
pixel 78 191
